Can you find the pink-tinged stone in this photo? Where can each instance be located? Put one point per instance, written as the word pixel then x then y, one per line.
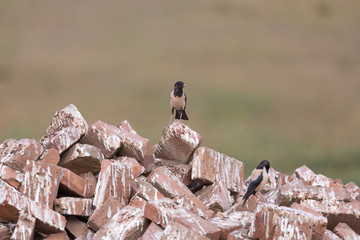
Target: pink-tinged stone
pixel 41 182
pixel 77 227
pixel 103 136
pixel 163 211
pixel 74 206
pixel 318 230
pixel 345 232
pixel 216 197
pixel 25 227
pixel 329 235
pixel 11 176
pixel 289 194
pixel 318 180
pixel 128 223
pixel 15 153
pixel 274 222
pixel 250 205
pixel 91 181
pixel 138 202
pixel 232 222
pixel 104 213
pixel 72 184
pixel 238 235
pixel 181 171
pixel 135 146
pixel 210 166
pixel 4 231
pixel 58 236
pixel 153 232
pixel 125 125
pixel 140 187
pixel 176 231
pixel 51 155
pixel 354 190
pixel 114 181
pixel 171 187
pixel 86 236
pixel 337 212
pixel 131 163
pixel 177 143
pixel 12 202
pixel 66 128
pixel 283 179
pixel 82 158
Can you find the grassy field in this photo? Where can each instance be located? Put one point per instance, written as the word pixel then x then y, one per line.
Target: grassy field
pixel 275 80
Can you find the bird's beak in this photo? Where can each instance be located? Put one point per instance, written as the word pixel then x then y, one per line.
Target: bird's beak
pixel 184 85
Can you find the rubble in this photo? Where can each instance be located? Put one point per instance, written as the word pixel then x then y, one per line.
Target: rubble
pixel 103 182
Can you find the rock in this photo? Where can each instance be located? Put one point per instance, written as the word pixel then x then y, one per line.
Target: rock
pixel 4 231
pixel 82 158
pixel 176 231
pixel 135 146
pixel 15 153
pixel 104 212
pixel 171 187
pixel 66 128
pixel 354 190
pixel 337 212
pixel 103 136
pixel 181 171
pixel 91 182
pixel 345 232
pixel 232 222
pixel 125 125
pixel 131 163
pixel 145 190
pixel 138 202
pixel 25 227
pixel 73 185
pixel 209 166
pixel 41 182
pixel 163 211
pixel 128 223
pixel 153 232
pixel 329 235
pixel 273 222
pixel 76 227
pixel 177 143
pixel 318 180
pixel 216 197
pixel 12 202
pixel 250 205
pixel 114 181
pixel 58 236
pixel 11 176
pixel 51 156
pixel 238 235
pixel 74 206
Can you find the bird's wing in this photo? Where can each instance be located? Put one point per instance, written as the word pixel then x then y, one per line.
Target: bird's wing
pixel 255 183
pixel 185 100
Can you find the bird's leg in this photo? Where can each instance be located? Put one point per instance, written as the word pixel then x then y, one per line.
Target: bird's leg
pixel 180 116
pixel 170 119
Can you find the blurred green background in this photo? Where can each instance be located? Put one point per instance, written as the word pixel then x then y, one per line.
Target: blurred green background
pixel 276 80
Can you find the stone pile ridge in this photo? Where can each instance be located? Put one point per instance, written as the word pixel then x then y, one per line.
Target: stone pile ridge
pixel 103 181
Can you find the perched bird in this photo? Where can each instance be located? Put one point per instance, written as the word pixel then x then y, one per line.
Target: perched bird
pixel 178 102
pixel 259 177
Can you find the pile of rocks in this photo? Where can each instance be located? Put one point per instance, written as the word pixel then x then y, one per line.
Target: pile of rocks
pixel 108 182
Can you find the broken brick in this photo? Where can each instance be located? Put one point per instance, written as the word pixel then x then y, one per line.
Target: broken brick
pixel 25 227
pixel 131 163
pixel 238 235
pixel 11 176
pixel 73 206
pixel 153 232
pixel 170 186
pixel 58 236
pixel 128 223
pixel 66 128
pixel 354 190
pixel 50 156
pixel 41 182
pixel 216 197
pixel 345 232
pixel 82 158
pixel 73 185
pixel 12 202
pixel 4 231
pixel 138 202
pixel 181 171
pixel 209 166
pixel 176 231
pixel 317 180
pixel 91 182
pixel 329 235
pixel 114 181
pixel 103 136
pixel 15 154
pixel 177 143
pixel 163 211
pixel 99 217
pixel 144 189
pixel 76 227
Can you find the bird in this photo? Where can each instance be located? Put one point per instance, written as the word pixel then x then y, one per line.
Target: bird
pixel 258 178
pixel 178 102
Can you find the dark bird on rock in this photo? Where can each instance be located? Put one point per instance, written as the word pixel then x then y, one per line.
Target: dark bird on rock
pixel 258 178
pixel 178 102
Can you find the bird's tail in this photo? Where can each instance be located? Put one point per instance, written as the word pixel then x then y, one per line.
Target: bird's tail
pixel 245 198
pixel 182 114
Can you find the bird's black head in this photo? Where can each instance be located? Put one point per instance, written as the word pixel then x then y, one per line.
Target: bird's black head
pixel 264 164
pixel 179 85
